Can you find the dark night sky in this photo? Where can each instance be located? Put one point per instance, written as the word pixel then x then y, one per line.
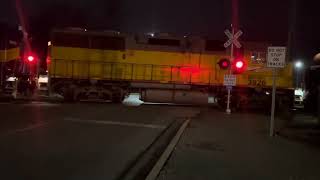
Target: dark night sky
pixel 266 20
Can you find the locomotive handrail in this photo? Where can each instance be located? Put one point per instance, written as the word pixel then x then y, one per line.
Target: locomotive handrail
pixel 102 62
pixel 171 73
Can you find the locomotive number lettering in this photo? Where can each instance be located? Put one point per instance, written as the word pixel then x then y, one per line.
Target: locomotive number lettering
pixel 257 82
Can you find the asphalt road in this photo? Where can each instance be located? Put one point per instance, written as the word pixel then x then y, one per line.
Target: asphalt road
pixel 77 141
pixel 238 147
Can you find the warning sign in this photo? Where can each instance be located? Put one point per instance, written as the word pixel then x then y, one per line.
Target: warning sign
pixel 230 80
pixel 276 57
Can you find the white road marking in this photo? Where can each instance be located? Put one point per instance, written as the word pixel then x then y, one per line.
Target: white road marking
pixel 140 125
pixel 29 104
pixel 4 103
pixel 40 104
pixel 29 128
pixel 169 104
pixel 153 174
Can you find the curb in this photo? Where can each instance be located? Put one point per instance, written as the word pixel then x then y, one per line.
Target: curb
pixel 153 174
pixel 142 165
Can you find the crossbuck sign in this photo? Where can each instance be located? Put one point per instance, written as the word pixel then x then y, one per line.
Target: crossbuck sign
pixel 233 39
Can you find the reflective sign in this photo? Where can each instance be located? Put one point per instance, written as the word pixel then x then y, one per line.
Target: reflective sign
pixel 230 80
pixel 276 57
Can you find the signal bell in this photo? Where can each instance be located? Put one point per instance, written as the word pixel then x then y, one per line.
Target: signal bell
pixel 224 63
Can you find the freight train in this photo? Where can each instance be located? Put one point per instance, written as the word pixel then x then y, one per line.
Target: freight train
pixel 160 67
pixel 312 88
pixel 18 64
pixel 10 63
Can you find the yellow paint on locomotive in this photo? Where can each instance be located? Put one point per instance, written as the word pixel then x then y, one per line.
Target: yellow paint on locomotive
pixel 161 66
pixel 9 54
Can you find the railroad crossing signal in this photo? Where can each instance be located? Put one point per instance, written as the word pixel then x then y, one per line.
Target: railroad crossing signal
pixel 233 39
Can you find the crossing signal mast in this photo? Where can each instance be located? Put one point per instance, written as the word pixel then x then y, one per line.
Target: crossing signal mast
pixel 237 65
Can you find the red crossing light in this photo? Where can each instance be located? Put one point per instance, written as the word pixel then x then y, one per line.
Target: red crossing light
pixel 30 58
pixel 239 66
pixel 224 64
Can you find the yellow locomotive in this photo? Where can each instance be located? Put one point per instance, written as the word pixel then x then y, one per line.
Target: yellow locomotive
pixel 9 56
pixel 162 68
pixel 9 66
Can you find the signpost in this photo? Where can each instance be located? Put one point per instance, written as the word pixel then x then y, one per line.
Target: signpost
pixel 229 81
pixel 232 41
pixel 276 59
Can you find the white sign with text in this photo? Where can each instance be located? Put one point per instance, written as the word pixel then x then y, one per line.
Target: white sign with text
pixel 276 57
pixel 230 80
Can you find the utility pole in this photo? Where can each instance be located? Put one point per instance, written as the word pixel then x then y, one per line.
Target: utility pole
pixel 292 30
